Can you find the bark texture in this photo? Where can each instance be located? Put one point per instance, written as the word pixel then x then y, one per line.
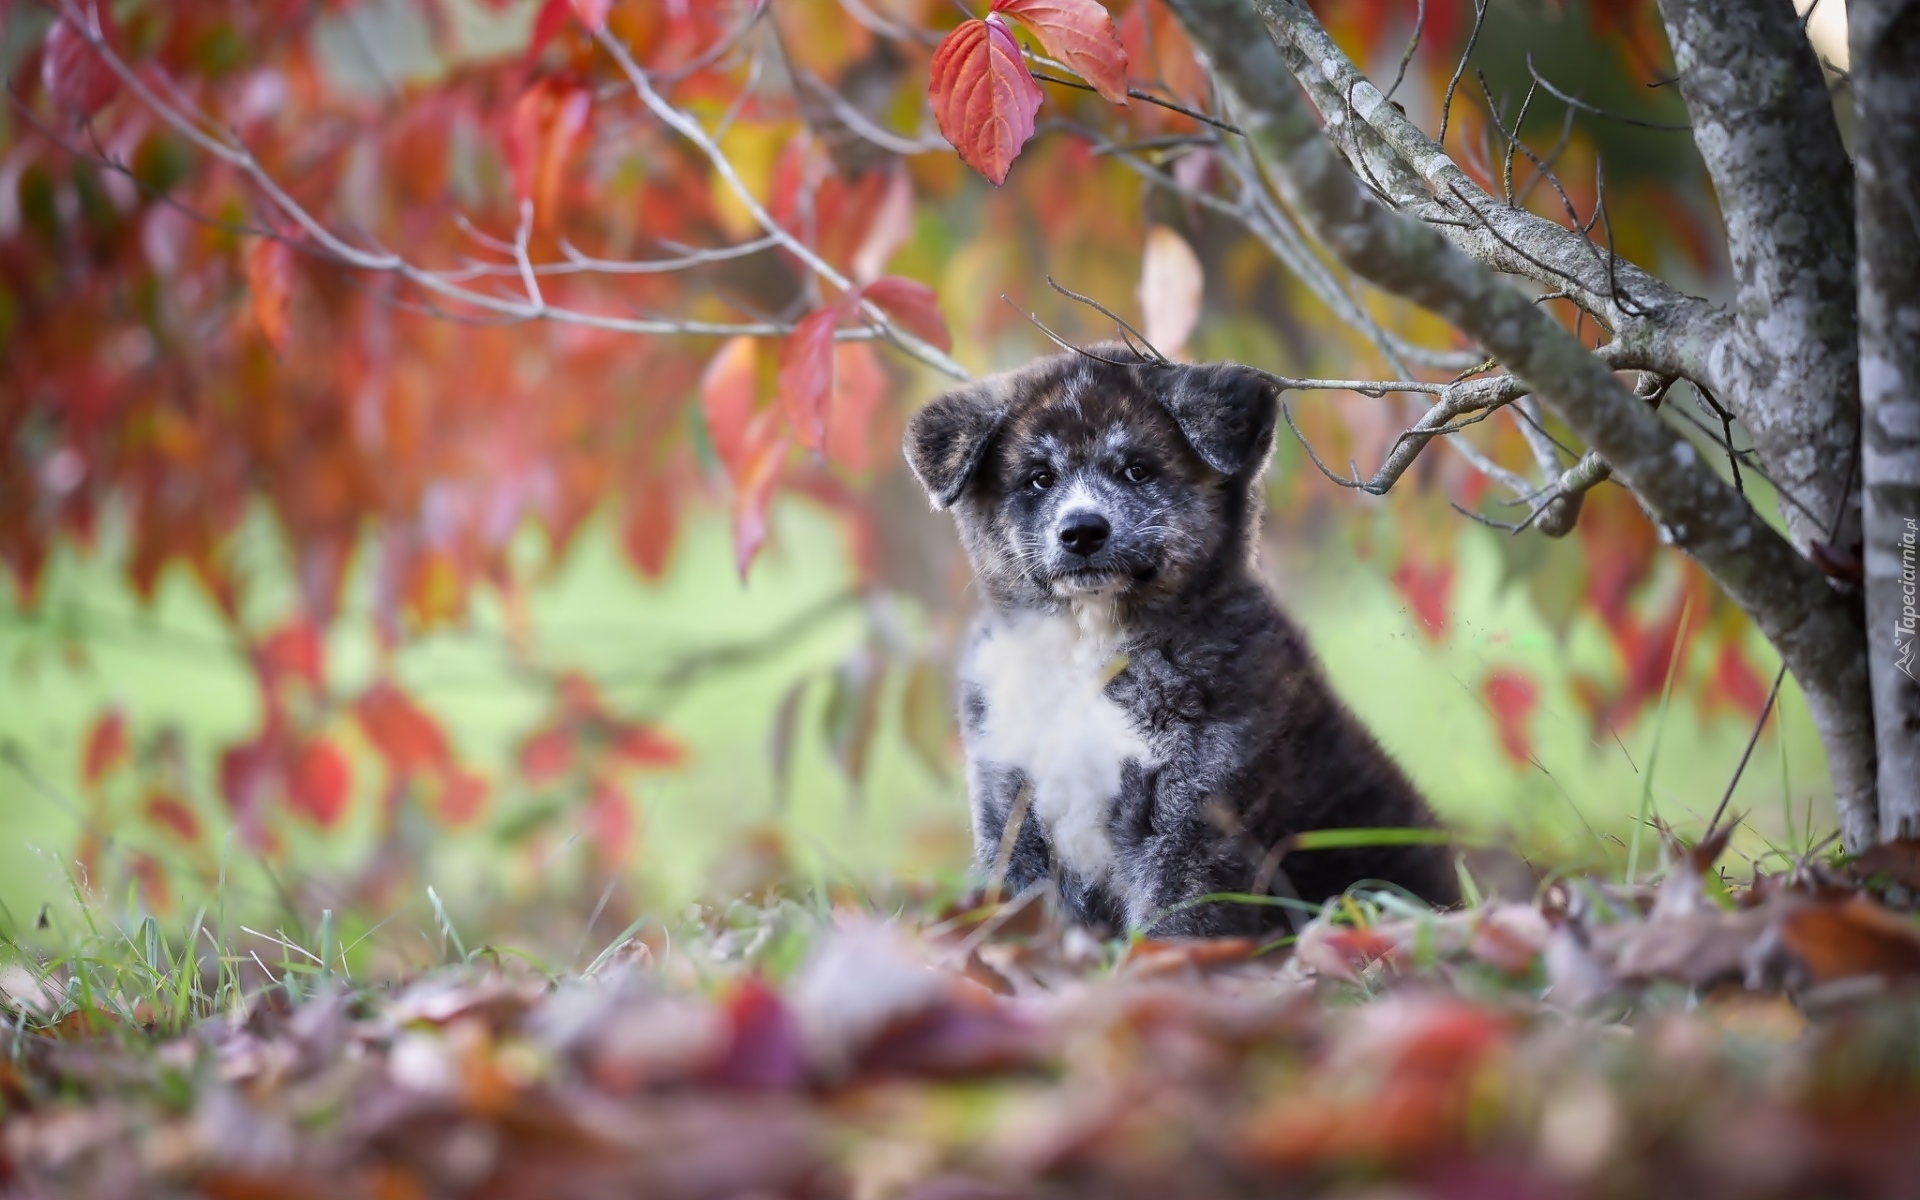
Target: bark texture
pixel 1764 124
pixel 1816 631
pixel 1885 36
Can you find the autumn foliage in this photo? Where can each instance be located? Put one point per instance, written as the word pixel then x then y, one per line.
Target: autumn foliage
pixel 599 318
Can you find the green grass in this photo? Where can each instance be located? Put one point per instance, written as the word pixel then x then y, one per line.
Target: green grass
pixel 173 666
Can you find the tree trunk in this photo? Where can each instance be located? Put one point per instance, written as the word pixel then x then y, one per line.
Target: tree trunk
pixel 1764 125
pixel 1886 86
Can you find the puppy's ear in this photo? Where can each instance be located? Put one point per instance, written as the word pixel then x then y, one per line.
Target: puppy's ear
pixel 947 439
pixel 1227 413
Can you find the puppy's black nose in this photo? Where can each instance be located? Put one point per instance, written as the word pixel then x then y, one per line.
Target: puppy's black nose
pixel 1085 533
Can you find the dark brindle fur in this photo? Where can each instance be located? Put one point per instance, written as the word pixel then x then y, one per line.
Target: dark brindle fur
pixel 1131 682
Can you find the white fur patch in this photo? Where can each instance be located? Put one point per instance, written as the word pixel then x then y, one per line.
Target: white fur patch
pixel 1043 679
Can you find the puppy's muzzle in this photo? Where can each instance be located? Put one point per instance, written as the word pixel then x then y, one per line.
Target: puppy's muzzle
pixel 1084 533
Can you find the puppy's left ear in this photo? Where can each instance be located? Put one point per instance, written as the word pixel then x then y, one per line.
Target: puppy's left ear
pixel 1227 413
pixel 947 439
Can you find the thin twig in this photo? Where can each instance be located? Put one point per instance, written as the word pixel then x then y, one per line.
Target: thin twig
pixel 1596 110
pixel 1413 45
pixel 1766 710
pixel 1132 93
pixel 1460 68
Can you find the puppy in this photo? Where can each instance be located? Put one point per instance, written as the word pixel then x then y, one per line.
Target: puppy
pixel 1131 688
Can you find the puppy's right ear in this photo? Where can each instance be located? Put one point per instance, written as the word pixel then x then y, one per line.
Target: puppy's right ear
pixel 947 439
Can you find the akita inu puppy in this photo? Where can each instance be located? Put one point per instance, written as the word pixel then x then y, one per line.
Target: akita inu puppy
pixel 1131 686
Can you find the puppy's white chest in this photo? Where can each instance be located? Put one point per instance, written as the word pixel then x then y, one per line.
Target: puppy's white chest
pixel 1047 714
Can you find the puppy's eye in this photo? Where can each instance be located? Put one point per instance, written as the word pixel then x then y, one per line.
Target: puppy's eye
pixel 1135 473
pixel 1041 481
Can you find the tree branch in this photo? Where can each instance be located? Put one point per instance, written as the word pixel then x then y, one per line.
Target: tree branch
pixel 1678 335
pixel 1816 632
pixel 324 242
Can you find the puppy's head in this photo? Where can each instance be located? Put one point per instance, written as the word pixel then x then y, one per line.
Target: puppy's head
pixel 1098 473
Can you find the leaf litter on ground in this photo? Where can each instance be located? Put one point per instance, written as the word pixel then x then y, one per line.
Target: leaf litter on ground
pixel 1684 1038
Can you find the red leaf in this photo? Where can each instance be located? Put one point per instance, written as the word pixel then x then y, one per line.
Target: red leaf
pixel 1080 34
pixel 174 814
pixel 319 782
pixel 592 13
pixel 106 747
pixel 72 71
pixel 547 755
pixel 983 97
pixel 1734 683
pixel 462 795
pixel 609 822
pixel 270 279
pixel 765 1051
pixel 858 386
pixel 547 25
pixel 155 892
pixel 806 375
pixel 728 390
pixel 405 736
pixel 753 489
pixel 293 652
pixel 541 137
pixel 650 526
pixel 645 746
pixel 1512 697
pixel 1157 49
pixel 914 306
pixel 245 772
pixel 1427 589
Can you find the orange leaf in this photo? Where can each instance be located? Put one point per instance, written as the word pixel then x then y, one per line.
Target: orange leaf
pixel 1840 941
pixel 1080 34
pixel 106 747
pixel 72 71
pixel 1166 956
pixel 319 783
pixel 983 97
pixel 270 279
pixel 914 306
pixel 541 137
pixel 806 375
pixel 728 391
